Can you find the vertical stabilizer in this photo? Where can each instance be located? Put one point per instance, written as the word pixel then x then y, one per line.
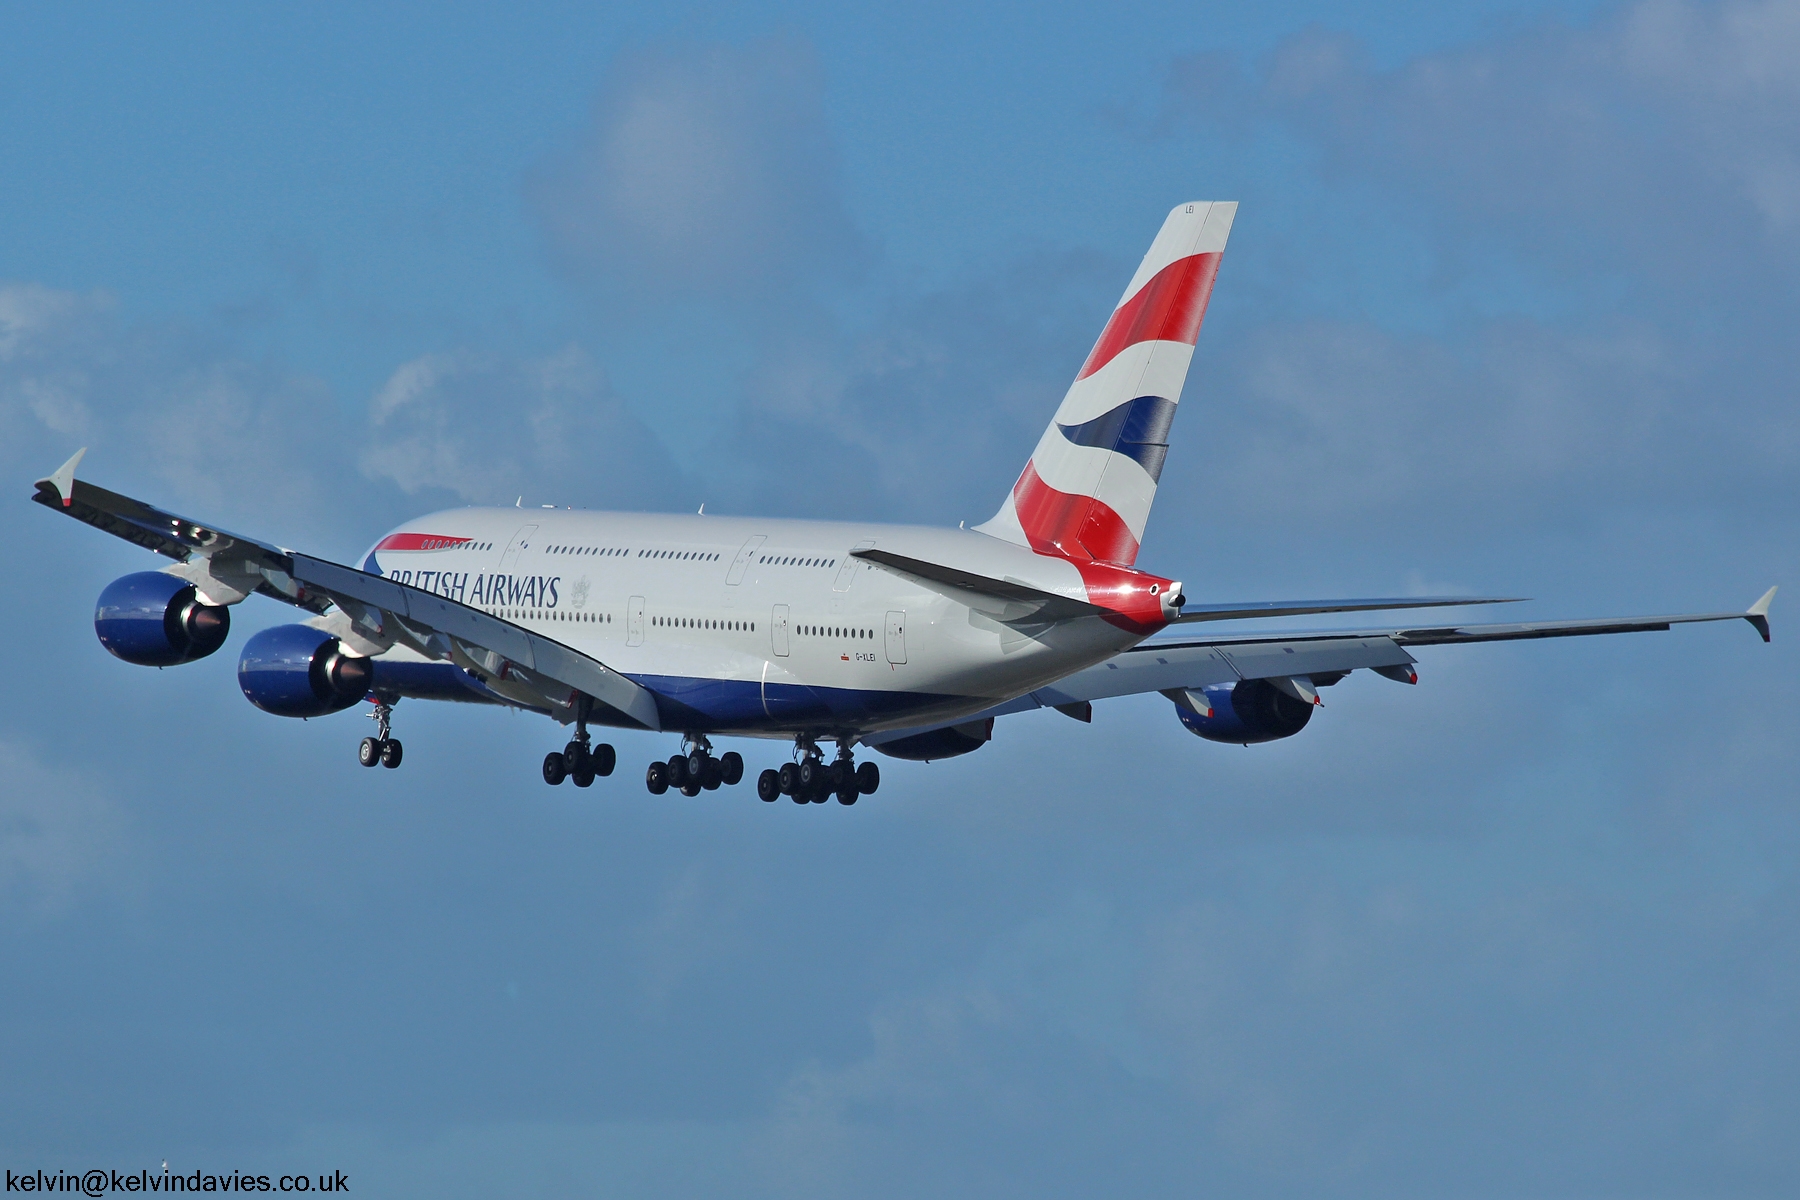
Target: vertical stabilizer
pixel 1087 489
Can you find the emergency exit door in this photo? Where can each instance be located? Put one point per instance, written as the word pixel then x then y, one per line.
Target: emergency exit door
pixel 778 630
pixel 896 636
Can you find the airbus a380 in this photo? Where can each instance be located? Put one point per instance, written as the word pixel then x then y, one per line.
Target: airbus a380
pixel 907 640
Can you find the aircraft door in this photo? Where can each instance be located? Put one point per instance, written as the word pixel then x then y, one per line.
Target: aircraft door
pixel 739 564
pixel 778 630
pixel 521 540
pixel 634 621
pixel 896 636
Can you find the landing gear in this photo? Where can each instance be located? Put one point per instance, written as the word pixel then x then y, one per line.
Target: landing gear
pixel 811 781
pixel 580 761
pixel 381 748
pixel 696 771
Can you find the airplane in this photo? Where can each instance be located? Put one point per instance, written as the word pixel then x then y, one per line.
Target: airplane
pixel 908 640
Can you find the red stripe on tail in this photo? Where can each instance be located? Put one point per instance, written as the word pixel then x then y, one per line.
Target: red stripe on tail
pixel 1167 309
pixel 1075 527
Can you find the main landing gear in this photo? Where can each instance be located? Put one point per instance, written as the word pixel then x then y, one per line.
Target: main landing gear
pixel 381 748
pixel 580 761
pixel 810 781
pixel 695 771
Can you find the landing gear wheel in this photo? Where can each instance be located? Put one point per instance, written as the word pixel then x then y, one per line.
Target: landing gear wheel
pixel 656 778
pixel 369 753
pixel 768 786
pixel 554 771
pixel 811 769
pixel 789 778
pixel 691 789
pixel 697 760
pixel 847 794
pixel 868 778
pixel 390 753
pixel 574 758
pixel 801 798
pixel 604 759
pixel 583 777
pixel 678 771
pixel 731 768
pixel 712 775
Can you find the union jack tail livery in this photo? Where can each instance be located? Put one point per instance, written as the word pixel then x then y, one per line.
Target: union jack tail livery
pixel 1085 494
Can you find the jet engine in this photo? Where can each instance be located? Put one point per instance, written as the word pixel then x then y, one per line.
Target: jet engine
pixel 1243 713
pixel 156 620
pixel 940 743
pixel 299 671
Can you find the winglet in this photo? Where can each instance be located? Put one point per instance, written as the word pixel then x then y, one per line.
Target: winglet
pixel 63 478
pixel 1758 615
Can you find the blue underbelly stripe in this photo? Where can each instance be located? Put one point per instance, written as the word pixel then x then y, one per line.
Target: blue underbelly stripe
pixel 685 702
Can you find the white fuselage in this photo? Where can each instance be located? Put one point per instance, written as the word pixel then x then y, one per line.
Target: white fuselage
pixel 768 627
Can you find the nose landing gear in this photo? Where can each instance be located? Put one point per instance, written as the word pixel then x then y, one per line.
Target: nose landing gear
pixel 381 748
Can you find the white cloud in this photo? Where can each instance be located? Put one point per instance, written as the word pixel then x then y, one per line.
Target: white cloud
pixel 705 171
pixel 484 427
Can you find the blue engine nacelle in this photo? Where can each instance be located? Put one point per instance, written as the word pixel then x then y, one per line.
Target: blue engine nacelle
pixel 157 620
pixel 1246 712
pixel 941 743
pixel 299 671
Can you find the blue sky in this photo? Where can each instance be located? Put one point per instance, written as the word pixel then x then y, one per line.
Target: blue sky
pixel 1508 307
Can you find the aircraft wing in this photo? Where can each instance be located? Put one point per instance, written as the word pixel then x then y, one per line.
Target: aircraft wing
pixel 1315 659
pixel 1160 665
pixel 376 612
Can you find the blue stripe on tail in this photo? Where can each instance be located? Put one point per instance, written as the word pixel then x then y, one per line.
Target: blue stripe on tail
pixel 1138 429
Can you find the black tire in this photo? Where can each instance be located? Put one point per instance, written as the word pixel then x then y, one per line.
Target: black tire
pixel 574 758
pixel 847 795
pixel 790 779
pixel 868 778
pixel 731 768
pixel 582 778
pixel 369 753
pixel 800 796
pixel 819 795
pixel 657 778
pixel 692 789
pixel 678 772
pixel 605 758
pixel 810 771
pixel 391 750
pixel 554 770
pixel 697 761
pixel 712 775
pixel 768 786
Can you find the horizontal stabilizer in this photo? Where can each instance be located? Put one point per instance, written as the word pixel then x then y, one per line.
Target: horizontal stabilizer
pixel 1301 608
pixel 1040 605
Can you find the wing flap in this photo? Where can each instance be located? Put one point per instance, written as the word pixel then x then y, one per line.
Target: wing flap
pixel 1300 608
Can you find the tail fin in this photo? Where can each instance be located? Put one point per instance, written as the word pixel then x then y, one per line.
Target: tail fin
pixel 1087 489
